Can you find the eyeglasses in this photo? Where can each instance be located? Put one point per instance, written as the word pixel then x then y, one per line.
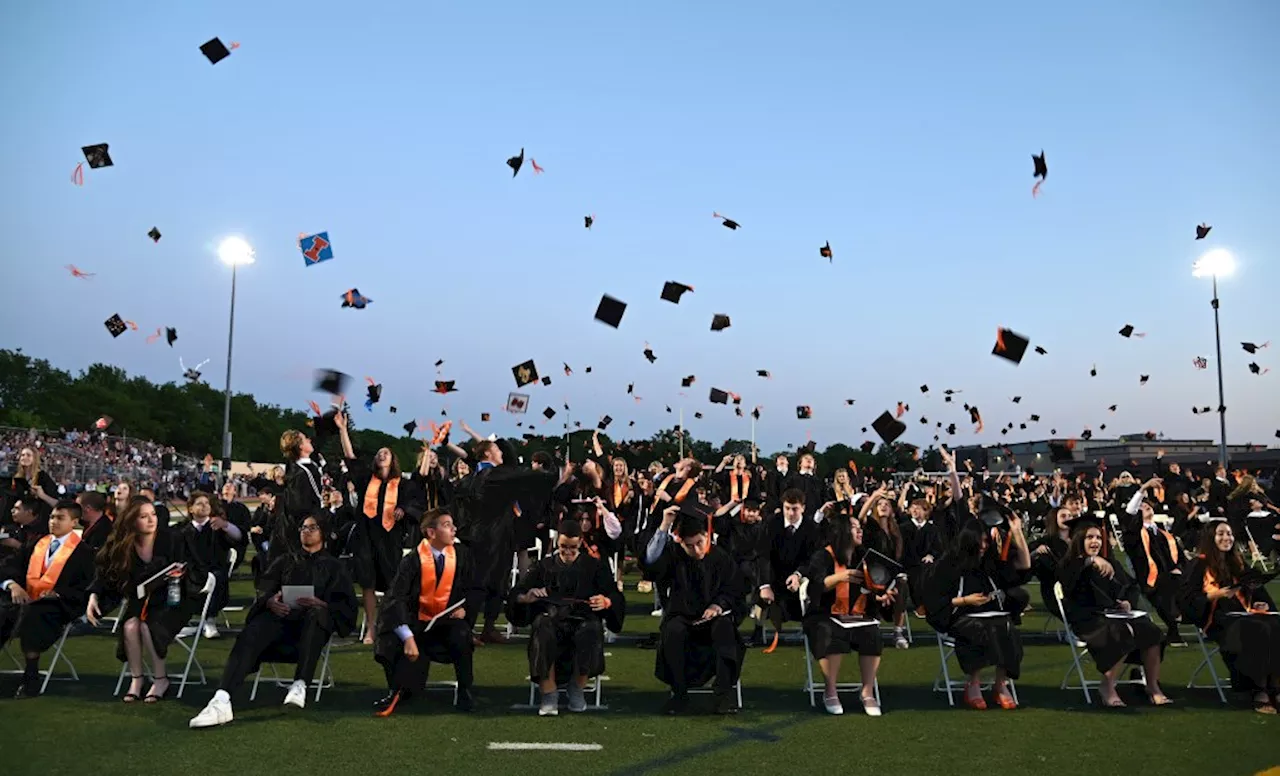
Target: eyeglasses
pixel 568 548
pixel 308 528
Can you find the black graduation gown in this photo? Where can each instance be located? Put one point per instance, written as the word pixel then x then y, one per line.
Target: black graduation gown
pixel 164 621
pixel 748 545
pixel 722 479
pixel 788 553
pixel 207 552
pixel 811 485
pixel 1087 596
pixel 1045 567
pixel 980 641
pixel 326 574
pixel 490 528
pixel 569 638
pixel 303 489
pixel 691 587
pixel 825 636
pixel 39 623
pixel 919 542
pixel 378 549
pixel 1249 644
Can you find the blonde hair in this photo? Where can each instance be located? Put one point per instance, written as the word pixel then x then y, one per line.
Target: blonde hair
pixel 291 444
pixel 32 473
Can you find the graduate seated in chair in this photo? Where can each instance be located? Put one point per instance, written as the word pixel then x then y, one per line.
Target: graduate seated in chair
pixel 289 630
pixel 568 598
pixel 43 592
pixel 793 538
pixel 699 636
pixel 424 616
pixel 1156 559
pixel 845 592
pixel 1100 600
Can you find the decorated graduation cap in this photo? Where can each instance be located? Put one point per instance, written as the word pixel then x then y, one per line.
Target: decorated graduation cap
pixel 525 373
pixel 888 427
pixel 610 311
pixel 116 325
pixel 1010 345
pixel 216 51
pixel 331 381
pixel 879 571
pixel 804 412
pixel 315 248
pixel 446 386
pixel 518 403
pixel 516 162
pixel 484 417
pixel 672 291
pixel 728 223
pixel 354 299
pixel 825 251
pixel 97 155
pixel 719 322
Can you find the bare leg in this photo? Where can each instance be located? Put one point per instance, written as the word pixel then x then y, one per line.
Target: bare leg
pixel 133 654
pixel 831 672
pixel 1151 664
pixel 1107 687
pixel 868 665
pixel 998 686
pixel 581 680
pixel 159 674
pixel 370 613
pixel 548 685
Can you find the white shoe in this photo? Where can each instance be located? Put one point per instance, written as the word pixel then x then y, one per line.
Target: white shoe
pixel 297 695
pixel 656 613
pixel 832 705
pixel 550 706
pixel 871 706
pixel 187 632
pixel 211 631
pixel 577 698
pixel 218 712
pixel 900 640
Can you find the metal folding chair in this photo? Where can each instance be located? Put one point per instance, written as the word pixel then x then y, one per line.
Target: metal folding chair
pixel 943 681
pixel 1206 661
pixel 1078 652
pixel 232 556
pixel 323 680
pixel 811 687
pixel 48 673
pixel 209 586
pixel 594 688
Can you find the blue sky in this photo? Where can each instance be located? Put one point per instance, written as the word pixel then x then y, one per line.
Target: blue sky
pixel 900 133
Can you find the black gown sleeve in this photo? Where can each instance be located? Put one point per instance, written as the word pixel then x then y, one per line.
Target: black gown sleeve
pixel 337 590
pixel 604 585
pixel 520 614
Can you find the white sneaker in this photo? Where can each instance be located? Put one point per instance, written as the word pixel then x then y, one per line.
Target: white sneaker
pixel 218 712
pixel 832 705
pixel 900 639
pixel 211 631
pixel 577 698
pixel 550 706
pixel 297 695
pixel 656 613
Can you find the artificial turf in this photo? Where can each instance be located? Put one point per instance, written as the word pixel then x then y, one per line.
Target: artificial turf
pixel 80 727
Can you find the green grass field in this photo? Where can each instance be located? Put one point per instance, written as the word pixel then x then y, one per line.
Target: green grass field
pixel 79 726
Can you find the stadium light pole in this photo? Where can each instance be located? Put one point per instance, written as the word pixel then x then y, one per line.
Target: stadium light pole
pixel 235 252
pixel 1215 264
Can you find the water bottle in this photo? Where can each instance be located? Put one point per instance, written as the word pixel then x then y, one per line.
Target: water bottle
pixel 174 596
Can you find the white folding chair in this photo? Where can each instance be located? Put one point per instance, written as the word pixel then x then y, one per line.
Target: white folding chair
pixel 1206 661
pixel 811 687
pixel 232 555
pixel 1078 652
pixel 708 689
pixel 210 585
pixel 48 673
pixel 943 681
pixel 323 680
pixel 594 688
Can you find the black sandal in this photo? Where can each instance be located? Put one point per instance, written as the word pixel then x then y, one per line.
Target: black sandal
pixel 132 697
pixel 157 698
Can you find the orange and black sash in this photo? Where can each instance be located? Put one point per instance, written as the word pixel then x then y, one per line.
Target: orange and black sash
pixel 619 493
pixel 1152 570
pixel 1211 586
pixel 1005 542
pixel 388 501
pixel 433 594
pixel 684 488
pixel 739 485
pixel 40 578
pixel 841 606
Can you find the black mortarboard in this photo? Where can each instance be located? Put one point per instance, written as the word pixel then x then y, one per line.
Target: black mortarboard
pixel 1034 418
pixel 484 417
pixel 1102 427
pixel 1093 371
pixel 924 389
pixel 410 427
pixel 392 409
pixel 719 322
pixel 215 51
pixel 331 381
pixel 1127 331
pixel 737 411
pixel 525 373
pixel 604 423
pixel 951 429
pixel 990 513
pixel 546 379
pixel 697 416
pixel 1202 231
pixel 719 397
pixel 1142 379
pixel 924 420
pixel 1017 400
pixel 1010 345
pixel 1042 167
pixel 1022 426
pixel 888 427
pixel 439 362
pixel 548 413
pixel 325 426
pixel 1253 367
pixel 880 568
pixel 825 251
pixel 672 291
pixel 804 412
pixel 445 386
pixel 1198 410
pixel 154 234
pixel 610 311
pixel 729 223
pixel 755 413
pixel 1085 521
pixel 1041 351
pixel 687 381
pixel 588 221
pixel 867 447
pixel 763 373
pixel 1113 407
pixel 170 335
pixel 116 325
pixel 515 162
pixel 374 391
pixel 97 155
pixel 849 402
pixel 648 353
pixel 1251 348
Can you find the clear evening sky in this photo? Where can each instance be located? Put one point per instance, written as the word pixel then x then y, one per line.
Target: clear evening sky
pixel 901 132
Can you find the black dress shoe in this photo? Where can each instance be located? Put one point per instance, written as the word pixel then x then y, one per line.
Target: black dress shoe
pixel 385 706
pixel 464 702
pixel 678 703
pixel 725 704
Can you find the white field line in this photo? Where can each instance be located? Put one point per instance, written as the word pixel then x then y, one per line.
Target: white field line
pixel 542 747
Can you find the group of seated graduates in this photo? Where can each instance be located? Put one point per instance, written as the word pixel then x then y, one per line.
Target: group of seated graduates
pixel 715 546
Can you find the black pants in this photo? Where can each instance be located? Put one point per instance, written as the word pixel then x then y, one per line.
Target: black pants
pixel 38 624
pixel 580 641
pixel 1164 599
pixel 301 639
pixel 448 641
pixel 679 638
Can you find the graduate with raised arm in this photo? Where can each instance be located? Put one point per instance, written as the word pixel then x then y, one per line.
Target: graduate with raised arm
pixel 1156 559
pixel 699 637
pixel 568 598
pixel 424 617
pixel 303 490
pixel 390 507
pixel 297 629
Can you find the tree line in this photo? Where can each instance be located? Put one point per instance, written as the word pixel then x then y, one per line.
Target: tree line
pixel 188 417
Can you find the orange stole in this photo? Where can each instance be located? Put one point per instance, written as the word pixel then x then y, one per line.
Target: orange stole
pixel 738 492
pixel 1152 571
pixel 41 580
pixel 388 502
pixel 682 493
pixel 1211 586
pixel 619 493
pixel 841 605
pixel 433 594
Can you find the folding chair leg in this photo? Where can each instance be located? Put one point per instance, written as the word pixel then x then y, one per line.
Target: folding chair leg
pixel 324 672
pixel 53 661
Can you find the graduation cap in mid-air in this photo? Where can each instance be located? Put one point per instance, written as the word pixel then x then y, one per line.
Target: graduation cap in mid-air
pixel 888 427
pixel 867 447
pixel 315 248
pixel 588 221
pixel 729 223
pixel 410 427
pixel 154 234
pixel 924 389
pixel 1010 345
pixel 546 379
pixel 1251 348
pixel 763 373
pixel 1142 379
pixel 518 403
pixel 1041 171
pixel 193 374
pixel 446 386
pixel 97 155
pixel 116 325
pixel 672 291
pixel 879 571
pixel 356 300
pixel 548 413
pixel 825 251
pixel 685 382
pixel 1199 410
pixel 604 423
pixel 170 335
pixel 719 322
pixel 331 381
pixel 1128 331
pixel 515 163
pixel 648 353
pixel 755 413
pixel 374 394
pixel 1093 371
pixel 610 311
pixel 849 402
pixel 1041 351
pixel 525 373
pixel 216 51
pixel 804 412
pixel 718 396
pixel 1202 231
pixel 1257 370
pixel 484 417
